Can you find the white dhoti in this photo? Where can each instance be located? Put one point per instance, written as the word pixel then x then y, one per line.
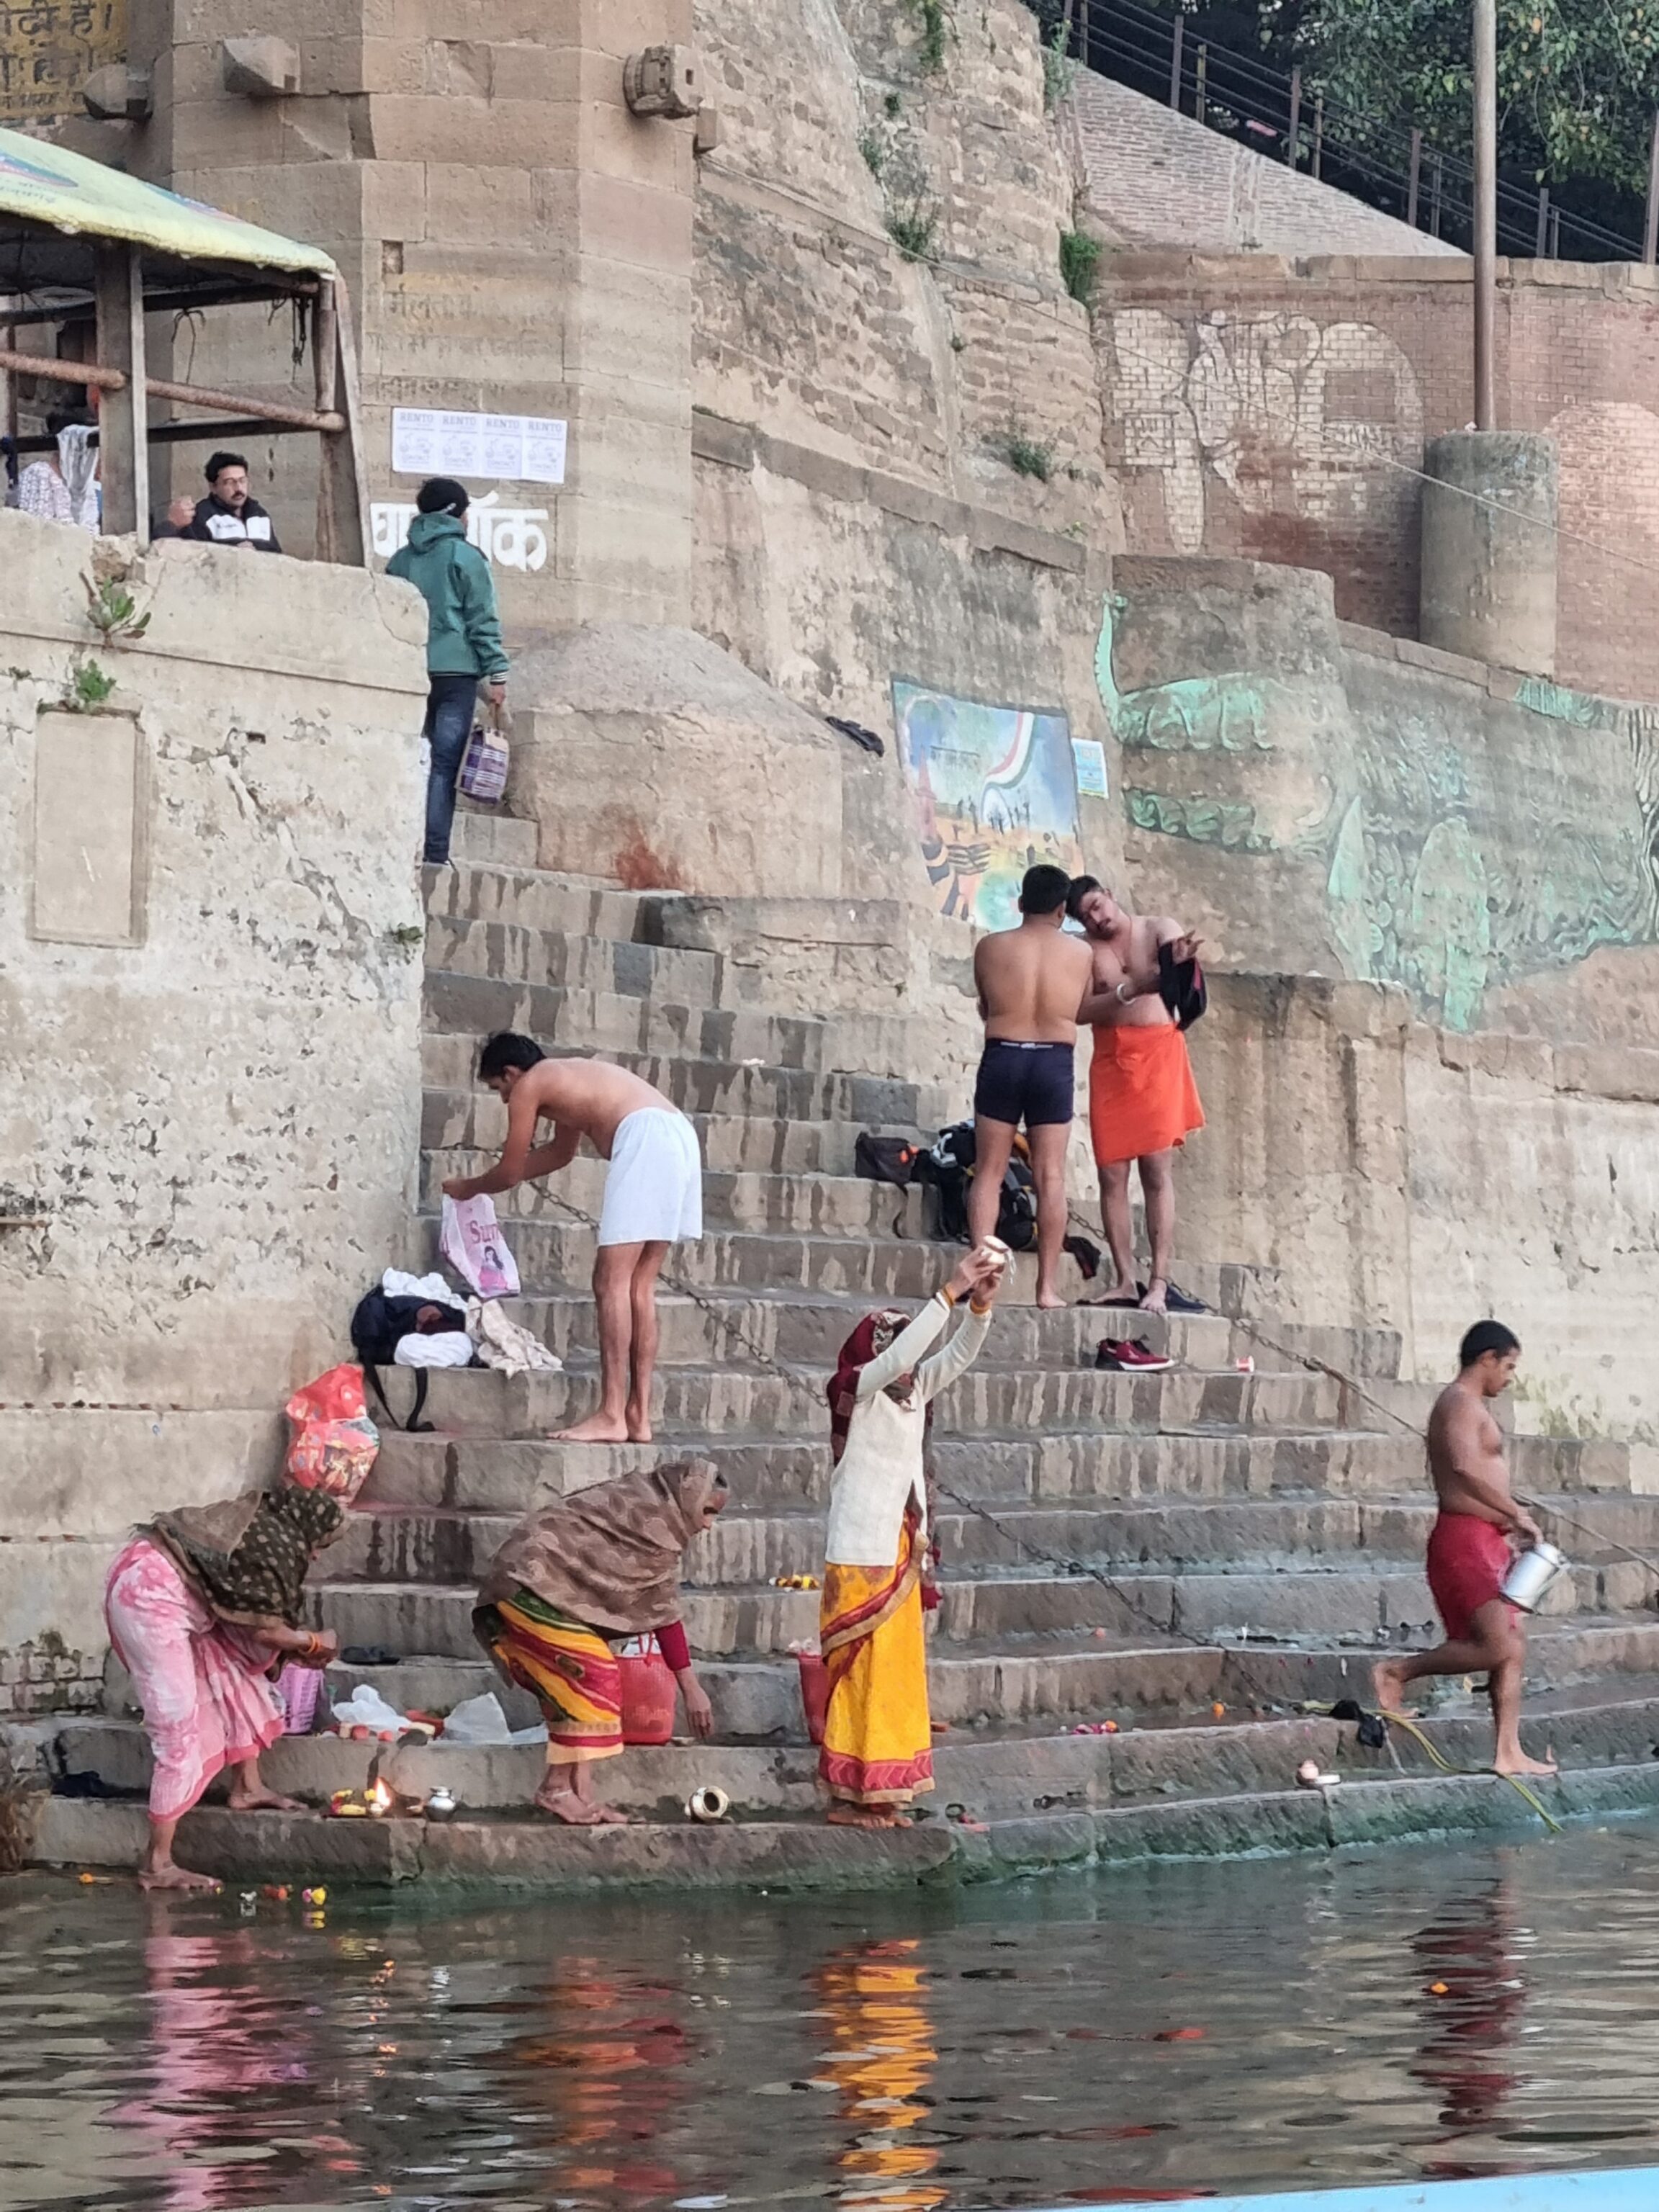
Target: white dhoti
pixel 653 1191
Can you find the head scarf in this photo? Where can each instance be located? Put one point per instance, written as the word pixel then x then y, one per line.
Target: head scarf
pixel 251 1555
pixel 872 1336
pixel 611 1555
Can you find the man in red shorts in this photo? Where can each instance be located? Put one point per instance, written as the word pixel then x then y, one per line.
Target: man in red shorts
pixel 1470 1550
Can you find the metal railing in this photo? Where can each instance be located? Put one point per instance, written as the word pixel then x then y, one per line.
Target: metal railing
pixel 1389 168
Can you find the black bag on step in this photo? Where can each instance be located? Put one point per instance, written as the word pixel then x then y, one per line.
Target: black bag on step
pixel 948 1164
pixel 886 1159
pixel 378 1327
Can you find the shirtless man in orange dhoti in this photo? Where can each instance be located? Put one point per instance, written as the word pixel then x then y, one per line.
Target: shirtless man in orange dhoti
pixel 1469 1546
pixel 1143 1103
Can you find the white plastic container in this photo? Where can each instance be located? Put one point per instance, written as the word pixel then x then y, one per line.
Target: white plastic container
pixel 1531 1575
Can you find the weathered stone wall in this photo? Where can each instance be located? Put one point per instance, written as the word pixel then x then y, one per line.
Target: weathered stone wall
pixel 209 994
pixel 1322 800
pixel 1404 1176
pixel 1276 409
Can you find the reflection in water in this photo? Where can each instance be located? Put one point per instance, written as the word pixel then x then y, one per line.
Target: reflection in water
pixel 220 2058
pixel 875 1996
pixel 609 2081
pixel 1134 2036
pixel 1473 1997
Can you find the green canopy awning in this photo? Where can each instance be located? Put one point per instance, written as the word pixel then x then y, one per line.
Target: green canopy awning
pixel 48 185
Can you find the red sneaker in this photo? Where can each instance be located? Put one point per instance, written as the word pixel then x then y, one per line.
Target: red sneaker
pixel 1124 1356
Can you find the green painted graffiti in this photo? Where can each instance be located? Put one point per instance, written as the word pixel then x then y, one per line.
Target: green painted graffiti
pixel 1461 849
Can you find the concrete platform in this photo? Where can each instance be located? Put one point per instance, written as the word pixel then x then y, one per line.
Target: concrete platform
pixel 808 1856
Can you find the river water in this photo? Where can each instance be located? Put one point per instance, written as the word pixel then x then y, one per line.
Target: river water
pixel 1123 2037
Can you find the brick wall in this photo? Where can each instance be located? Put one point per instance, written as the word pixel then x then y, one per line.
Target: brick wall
pixel 1277 410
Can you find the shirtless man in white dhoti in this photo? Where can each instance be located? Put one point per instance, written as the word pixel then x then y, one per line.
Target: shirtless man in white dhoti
pixel 652 1199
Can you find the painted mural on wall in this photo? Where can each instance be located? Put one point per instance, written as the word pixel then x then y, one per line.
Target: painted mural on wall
pixel 48 51
pixel 994 790
pixel 1288 415
pixel 1453 850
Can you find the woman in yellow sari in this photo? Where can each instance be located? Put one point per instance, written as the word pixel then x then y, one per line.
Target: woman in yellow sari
pixel 878 1750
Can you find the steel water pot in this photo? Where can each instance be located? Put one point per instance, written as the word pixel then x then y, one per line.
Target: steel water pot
pixel 1531 1575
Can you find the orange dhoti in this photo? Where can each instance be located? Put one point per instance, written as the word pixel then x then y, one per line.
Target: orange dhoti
pixel 878 1743
pixel 1142 1098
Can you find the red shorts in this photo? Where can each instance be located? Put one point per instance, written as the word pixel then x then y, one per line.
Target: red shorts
pixel 1468 1559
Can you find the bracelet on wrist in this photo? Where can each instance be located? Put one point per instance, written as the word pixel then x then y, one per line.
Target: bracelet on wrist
pixel 974 1307
pixel 948 1295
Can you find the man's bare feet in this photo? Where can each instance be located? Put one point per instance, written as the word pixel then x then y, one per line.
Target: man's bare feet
pixel 1157 1298
pixel 1389 1684
pixel 863 1816
pixel 262 1800
pixel 1048 1301
pixel 597 1429
pixel 170 1876
pixel 1120 1294
pixel 638 1426
pixel 1518 1763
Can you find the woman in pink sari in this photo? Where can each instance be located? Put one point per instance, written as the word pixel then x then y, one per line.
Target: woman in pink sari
pixel 203 1605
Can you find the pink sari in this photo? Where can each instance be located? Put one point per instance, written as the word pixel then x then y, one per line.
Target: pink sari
pixel 206 1701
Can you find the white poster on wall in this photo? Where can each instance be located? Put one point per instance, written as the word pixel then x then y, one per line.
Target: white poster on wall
pixel 427 442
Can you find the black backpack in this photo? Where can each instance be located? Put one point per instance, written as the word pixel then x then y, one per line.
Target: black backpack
pixel 378 1327
pixel 948 1164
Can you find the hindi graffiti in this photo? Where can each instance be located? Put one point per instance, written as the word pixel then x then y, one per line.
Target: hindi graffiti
pixel 47 52
pixel 510 537
pixel 995 792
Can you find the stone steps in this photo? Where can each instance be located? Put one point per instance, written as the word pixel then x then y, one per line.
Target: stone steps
pixel 628 1029
pixel 1260 1536
pixel 402 1543
pixel 758 1200
pixel 986 1404
pixel 1034 1683
pixel 717 1085
pixel 717 1327
pixel 503 1474
pixel 464 1128
pixel 995 1777
pixel 805 1856
pixel 1003 1592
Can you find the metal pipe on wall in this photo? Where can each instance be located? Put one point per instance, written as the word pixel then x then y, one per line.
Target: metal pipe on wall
pixel 1485 212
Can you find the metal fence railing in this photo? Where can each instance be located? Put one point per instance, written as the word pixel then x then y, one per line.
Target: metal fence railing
pixel 1389 168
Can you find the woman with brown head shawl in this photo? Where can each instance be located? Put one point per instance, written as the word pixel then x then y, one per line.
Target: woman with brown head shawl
pixel 877 1751
pixel 203 1606
pixel 573 1578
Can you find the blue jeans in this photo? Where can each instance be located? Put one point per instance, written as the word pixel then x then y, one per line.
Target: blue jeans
pixel 451 701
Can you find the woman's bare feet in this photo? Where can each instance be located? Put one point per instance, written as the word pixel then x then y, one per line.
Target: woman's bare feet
pixel 1158 1296
pixel 1516 1763
pixel 597 1429
pixel 863 1816
pixel 1388 1685
pixel 169 1876
pixel 566 1806
pixel 262 1800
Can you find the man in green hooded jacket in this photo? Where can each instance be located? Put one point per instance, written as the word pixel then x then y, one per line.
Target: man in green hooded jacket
pixel 463 640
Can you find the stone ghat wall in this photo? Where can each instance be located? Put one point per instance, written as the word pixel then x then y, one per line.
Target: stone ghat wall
pixel 1402 1177
pixel 1274 408
pixel 899 460
pixel 1322 800
pixel 209 994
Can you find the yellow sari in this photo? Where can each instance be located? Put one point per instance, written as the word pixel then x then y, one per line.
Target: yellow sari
pixel 877 1744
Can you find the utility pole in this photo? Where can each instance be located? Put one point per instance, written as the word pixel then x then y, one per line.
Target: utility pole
pixel 1485 211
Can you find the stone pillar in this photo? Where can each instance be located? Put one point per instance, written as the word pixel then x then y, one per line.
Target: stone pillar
pixel 514 241
pixel 1489 548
